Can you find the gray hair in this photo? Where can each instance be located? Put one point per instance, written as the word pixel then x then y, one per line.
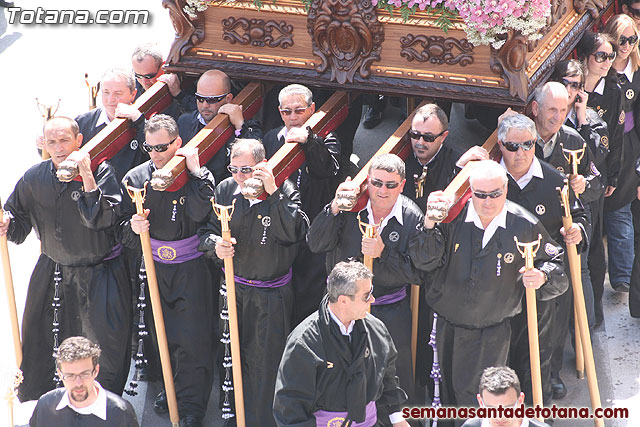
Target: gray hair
pixel 73 125
pixel 432 110
pixel 488 169
pixel 388 162
pixel 343 277
pixel 518 122
pixel 498 380
pixel 550 88
pixel 161 121
pixel 295 89
pixel 148 49
pixel 113 73
pixel 253 146
pixel 77 348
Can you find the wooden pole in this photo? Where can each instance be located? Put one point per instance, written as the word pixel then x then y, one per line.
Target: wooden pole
pixel 137 196
pixel 368 230
pixel 581 310
pixel 224 214
pixel 415 307
pixel 528 252
pixel 579 349
pixel 11 296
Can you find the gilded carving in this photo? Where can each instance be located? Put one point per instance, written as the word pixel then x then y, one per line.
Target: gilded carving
pixel 436 50
pixel 510 62
pixel 189 32
pixel 257 32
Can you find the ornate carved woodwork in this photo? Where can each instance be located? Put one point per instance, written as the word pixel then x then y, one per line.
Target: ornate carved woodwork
pixel 436 49
pixel 510 62
pixel 346 36
pixel 257 32
pixel 189 31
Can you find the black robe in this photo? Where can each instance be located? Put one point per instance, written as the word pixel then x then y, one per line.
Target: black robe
pixel 186 290
pixel 77 233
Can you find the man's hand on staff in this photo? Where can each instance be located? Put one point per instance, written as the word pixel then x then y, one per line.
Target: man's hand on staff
pixel 578 184
pixel 190 155
pixel 372 246
pixel 82 159
pixel 234 111
pixel 264 174
pixel 346 187
pixel 225 249
pixel 127 111
pixel 173 83
pixel 533 278
pixel 437 201
pixel 574 236
pixel 139 223
pixel 5 220
pixel 297 134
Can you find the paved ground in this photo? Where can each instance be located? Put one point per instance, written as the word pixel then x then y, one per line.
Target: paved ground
pixel 49 62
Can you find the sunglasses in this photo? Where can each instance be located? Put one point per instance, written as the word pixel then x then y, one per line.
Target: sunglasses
pixel 288 112
pixel 635 12
pixel 369 295
pixel 603 56
pixel 146 76
pixel 492 194
pixel 243 169
pixel 72 377
pixel 378 183
pixel 427 137
pixel 160 148
pixel 573 85
pixel 513 146
pixel 631 40
pixel 210 99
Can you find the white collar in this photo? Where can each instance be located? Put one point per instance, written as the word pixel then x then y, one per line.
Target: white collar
pixel 201 119
pixel 251 201
pixel 344 330
pixel 283 133
pixel 535 170
pixel 600 87
pixel 396 212
pixel 97 408
pixel 103 119
pixel 499 221
pixel 628 71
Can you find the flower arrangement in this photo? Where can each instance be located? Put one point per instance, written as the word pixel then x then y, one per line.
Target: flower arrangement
pixel 486 21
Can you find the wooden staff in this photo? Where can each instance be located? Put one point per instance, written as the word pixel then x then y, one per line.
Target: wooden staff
pixel 581 310
pixel 368 230
pixel 47 112
pixel 528 252
pixel 224 214
pixel 573 157
pixel 11 296
pixel 137 196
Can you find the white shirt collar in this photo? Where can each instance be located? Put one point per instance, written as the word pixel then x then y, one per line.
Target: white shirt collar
pixel 600 87
pixel 628 71
pixel 282 133
pixel 251 202
pixel 344 330
pixel 201 119
pixel 396 212
pixel 548 146
pixel 499 221
pixel 535 170
pixel 103 119
pixel 97 408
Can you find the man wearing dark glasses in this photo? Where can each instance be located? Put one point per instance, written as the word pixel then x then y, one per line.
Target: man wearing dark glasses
pixel 632 8
pixel 338 234
pixel 184 279
pixel 213 96
pixel 479 278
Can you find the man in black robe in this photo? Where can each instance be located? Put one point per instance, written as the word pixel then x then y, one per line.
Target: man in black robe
pixel 266 235
pixel 184 280
pixel 79 285
pixel 82 401
pixel 479 278
pixel 340 363
pixel 338 234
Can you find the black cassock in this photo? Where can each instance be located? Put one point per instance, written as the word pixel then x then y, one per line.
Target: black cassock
pixel 476 291
pixel 186 286
pixel 268 234
pixel 77 233
pixel 340 237
pixel 321 369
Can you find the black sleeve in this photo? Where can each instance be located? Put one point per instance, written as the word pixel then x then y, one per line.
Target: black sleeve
pixel 251 129
pixel 392 395
pixel 199 189
pixel 98 208
pixel 17 207
pixel 616 137
pixel 326 229
pixel 427 250
pixel 322 155
pixel 289 224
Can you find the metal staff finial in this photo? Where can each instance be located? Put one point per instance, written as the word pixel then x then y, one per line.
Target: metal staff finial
pixel 10 381
pixel 93 92
pixel 368 230
pixel 528 250
pixel 224 213
pixel 420 181
pixel 564 198
pixel 47 111
pixel 573 157
pixel 137 195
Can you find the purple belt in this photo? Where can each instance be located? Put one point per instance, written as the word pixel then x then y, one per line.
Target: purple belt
pixel 176 251
pixel 392 297
pixel 115 251
pixel 336 419
pixel 628 121
pixel 274 283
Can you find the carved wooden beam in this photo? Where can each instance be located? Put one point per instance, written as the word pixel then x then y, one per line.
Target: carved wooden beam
pixel 189 31
pixel 119 132
pixel 208 141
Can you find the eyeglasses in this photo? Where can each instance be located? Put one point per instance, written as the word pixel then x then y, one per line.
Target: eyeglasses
pixel 427 137
pixel 72 377
pixel 573 85
pixel 369 295
pixel 513 146
pixel 379 183
pixel 160 148
pixel 602 56
pixel 631 40
pixel 288 112
pixel 635 12
pixel 146 76
pixel 514 406
pixel 243 169
pixel 492 194
pixel 210 99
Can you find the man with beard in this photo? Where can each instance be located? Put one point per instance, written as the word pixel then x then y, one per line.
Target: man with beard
pixel 82 401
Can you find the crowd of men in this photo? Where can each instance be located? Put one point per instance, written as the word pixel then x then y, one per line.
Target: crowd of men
pixel 322 337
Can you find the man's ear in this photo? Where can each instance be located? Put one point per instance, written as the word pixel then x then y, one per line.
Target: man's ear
pixel 79 139
pixel 178 142
pixel 313 107
pixel 97 369
pixel 534 108
pixel 479 400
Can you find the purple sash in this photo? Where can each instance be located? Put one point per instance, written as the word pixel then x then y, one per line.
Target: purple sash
pixel 391 298
pixel 115 251
pixel 628 121
pixel 176 251
pixel 336 419
pixel 274 283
